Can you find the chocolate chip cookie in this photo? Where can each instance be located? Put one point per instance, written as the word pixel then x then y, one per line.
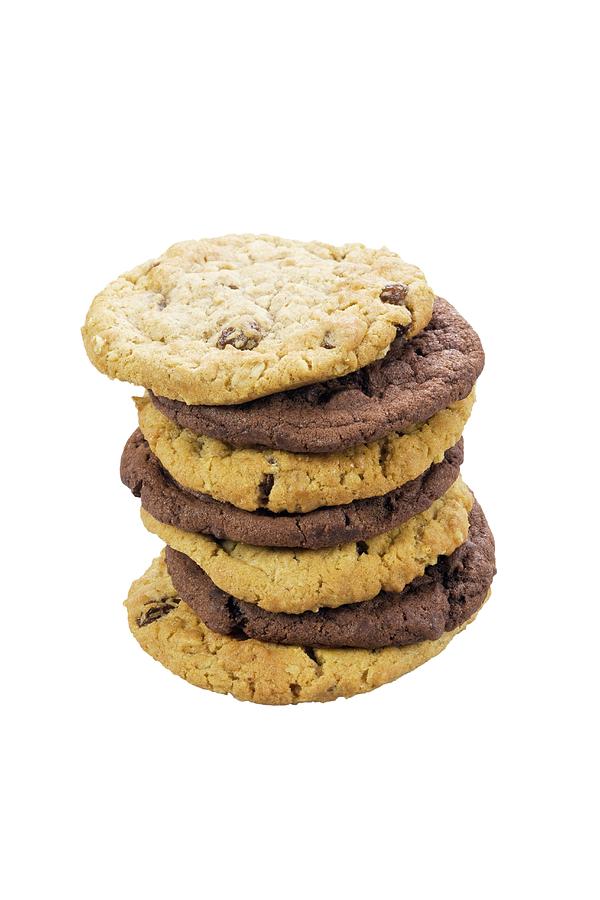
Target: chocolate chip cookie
pixel 226 320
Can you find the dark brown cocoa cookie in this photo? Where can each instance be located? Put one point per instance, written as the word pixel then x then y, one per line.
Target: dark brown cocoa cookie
pixel 171 504
pixel 413 381
pixel 449 593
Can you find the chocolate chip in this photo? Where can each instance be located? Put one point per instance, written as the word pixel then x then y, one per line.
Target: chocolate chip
pixel 362 547
pixel 394 293
pixel 243 337
pixel 264 489
pixel 384 452
pixel 156 611
pixel 223 338
pixel 237 619
pixel 311 654
pixel 390 504
pixel 234 611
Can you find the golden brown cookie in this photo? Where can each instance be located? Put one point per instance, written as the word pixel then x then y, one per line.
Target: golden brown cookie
pixel 230 319
pixel 281 481
pixel 169 631
pixel 294 581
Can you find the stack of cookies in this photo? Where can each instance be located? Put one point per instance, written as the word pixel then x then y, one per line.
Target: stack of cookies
pixel 298 450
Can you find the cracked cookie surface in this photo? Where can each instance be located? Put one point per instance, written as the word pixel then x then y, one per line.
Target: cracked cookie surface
pixel 281 481
pixel 448 594
pixel 227 320
pixel 253 670
pixel 295 581
pixel 413 381
pixel 171 504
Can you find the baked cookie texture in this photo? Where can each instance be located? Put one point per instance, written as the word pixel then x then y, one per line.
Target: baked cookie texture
pixel 281 481
pixel 298 450
pixel 230 319
pixel 295 581
pixel 413 381
pixel 168 630
pixel 171 504
pixel 445 597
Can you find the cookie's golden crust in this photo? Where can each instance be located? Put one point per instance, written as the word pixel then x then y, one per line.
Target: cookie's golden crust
pixel 231 319
pixel 252 670
pixel 299 482
pixel 295 581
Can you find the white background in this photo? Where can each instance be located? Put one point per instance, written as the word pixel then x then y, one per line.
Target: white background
pixel 462 135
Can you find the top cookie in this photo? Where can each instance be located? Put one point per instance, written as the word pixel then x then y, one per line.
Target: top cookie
pixel 231 319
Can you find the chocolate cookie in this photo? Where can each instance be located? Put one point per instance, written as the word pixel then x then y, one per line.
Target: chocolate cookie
pixel 412 382
pixel 170 503
pixel 445 597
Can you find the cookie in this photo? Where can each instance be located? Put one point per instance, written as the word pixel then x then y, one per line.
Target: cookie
pixel 412 382
pixel 171 504
pixel 446 596
pixel 294 581
pixel 281 481
pixel 168 630
pixel 229 319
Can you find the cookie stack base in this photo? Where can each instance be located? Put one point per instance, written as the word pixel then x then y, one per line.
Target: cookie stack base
pixel 171 633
